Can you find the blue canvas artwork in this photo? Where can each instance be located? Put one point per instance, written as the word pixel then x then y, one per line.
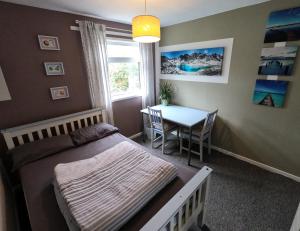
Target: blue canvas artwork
pixel 277 61
pixel 270 92
pixel 283 25
pixel 204 61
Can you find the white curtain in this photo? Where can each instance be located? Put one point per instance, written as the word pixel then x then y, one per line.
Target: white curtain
pixel 147 74
pixel 95 54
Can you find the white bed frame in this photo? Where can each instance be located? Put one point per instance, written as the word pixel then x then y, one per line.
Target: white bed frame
pixel 185 209
pixel 296 223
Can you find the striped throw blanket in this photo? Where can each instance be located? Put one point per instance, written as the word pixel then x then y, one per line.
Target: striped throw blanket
pixel 104 192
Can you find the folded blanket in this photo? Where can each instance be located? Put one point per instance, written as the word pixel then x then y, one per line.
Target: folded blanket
pixel 104 192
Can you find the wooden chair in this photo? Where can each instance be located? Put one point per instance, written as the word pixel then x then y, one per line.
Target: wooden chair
pixel 200 134
pixel 161 127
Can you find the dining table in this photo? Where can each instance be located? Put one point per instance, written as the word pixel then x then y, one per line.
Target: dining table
pixel 186 117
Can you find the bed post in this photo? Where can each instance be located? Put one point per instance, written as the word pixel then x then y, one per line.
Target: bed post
pixel 8 140
pixel 201 217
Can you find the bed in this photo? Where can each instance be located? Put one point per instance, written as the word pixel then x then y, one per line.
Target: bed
pixel 176 207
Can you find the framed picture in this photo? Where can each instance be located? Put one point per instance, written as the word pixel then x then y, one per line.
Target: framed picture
pixel 48 42
pixel 59 92
pixel 202 61
pixel 207 61
pixel 270 92
pixel 4 92
pixel 54 68
pixel 283 25
pixel 277 61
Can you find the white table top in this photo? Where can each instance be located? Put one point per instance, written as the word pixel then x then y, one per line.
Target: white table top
pixel 180 115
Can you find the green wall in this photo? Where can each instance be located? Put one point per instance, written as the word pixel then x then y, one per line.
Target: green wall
pixel 268 135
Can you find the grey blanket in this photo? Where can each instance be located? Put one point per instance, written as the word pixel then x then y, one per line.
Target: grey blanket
pixel 104 192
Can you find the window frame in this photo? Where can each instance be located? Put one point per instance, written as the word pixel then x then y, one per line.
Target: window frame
pixel 123 42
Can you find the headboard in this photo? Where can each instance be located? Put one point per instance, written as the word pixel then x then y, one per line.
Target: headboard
pixel 19 135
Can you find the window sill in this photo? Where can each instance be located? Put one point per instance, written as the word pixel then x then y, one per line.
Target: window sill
pixel 120 98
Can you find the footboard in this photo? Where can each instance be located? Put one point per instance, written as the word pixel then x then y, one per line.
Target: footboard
pixel 186 208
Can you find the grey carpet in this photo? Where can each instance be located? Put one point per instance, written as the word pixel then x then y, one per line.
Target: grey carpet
pixel 242 197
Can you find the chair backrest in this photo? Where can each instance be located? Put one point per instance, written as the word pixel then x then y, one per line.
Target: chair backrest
pixel 209 122
pixel 155 117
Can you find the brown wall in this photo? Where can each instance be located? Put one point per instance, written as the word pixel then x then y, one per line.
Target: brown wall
pixel 22 60
pixel 127 115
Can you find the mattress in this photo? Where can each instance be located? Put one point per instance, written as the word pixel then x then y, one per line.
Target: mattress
pixel 37 183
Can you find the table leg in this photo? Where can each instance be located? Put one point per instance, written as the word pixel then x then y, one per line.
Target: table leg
pixel 144 129
pixel 190 146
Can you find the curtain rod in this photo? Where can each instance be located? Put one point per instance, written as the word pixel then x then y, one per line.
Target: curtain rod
pixel 112 28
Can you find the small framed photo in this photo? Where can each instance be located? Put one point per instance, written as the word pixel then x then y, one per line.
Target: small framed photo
pixel 59 92
pixel 48 42
pixel 54 68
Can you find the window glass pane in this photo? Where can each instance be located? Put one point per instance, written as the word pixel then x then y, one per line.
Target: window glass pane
pixel 124 69
pixel 123 51
pixel 124 78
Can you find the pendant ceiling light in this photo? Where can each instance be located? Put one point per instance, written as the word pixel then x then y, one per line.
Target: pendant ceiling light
pixel 146 28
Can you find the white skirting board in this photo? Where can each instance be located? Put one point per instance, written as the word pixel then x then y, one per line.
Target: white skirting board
pixel 250 161
pixel 256 163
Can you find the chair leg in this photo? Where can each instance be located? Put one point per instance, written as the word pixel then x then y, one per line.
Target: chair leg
pixel 201 150
pixel 180 142
pixel 152 138
pixel 209 145
pixel 163 143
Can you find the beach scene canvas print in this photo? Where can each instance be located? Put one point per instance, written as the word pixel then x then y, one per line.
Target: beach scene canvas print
pixel 270 93
pixel 204 61
pixel 277 61
pixel 283 25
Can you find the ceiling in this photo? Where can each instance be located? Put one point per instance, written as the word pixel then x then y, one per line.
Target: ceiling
pixel 169 11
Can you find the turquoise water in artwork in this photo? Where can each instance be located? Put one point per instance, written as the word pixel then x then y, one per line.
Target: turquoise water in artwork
pixel 278 99
pixel 192 68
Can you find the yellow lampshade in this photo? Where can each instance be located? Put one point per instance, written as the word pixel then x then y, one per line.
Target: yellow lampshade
pixel 145 29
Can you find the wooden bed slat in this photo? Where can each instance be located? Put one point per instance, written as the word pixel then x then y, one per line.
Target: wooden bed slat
pixel 199 195
pixel 92 120
pixel 57 130
pixel 30 136
pixel 79 123
pixel 194 201
pixel 173 223
pixel 49 133
pixel 180 218
pixel 65 129
pixel 72 126
pixel 40 134
pixel 85 122
pixel 20 140
pixel 187 210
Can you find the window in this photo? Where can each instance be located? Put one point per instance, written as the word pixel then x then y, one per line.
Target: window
pixel 124 69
